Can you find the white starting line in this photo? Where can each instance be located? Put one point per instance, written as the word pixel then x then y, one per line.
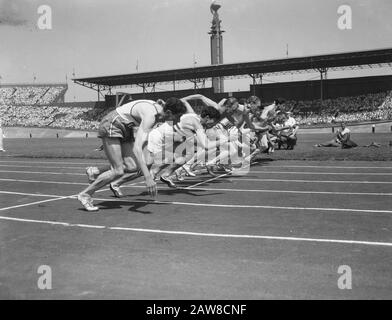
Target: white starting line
pixel 91 162
pixel 250 172
pixel 192 204
pixel 87 163
pixel 326 173
pixel 43 166
pixel 44 172
pixel 230 179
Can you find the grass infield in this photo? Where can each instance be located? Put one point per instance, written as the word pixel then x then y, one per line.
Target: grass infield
pixel 84 148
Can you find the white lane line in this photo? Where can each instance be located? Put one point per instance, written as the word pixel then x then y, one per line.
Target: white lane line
pixel 200 234
pixel 230 179
pixel 32 161
pixel 87 163
pixel 30 194
pixel 313 181
pixel 219 176
pixel 47 182
pixel 152 202
pixel 35 221
pixel 279 191
pixel 226 174
pixel 217 189
pixel 206 181
pixel 43 166
pixel 57 197
pixel 326 173
pixel 245 236
pixel 54 197
pixel 326 167
pixel 43 172
pixel 32 203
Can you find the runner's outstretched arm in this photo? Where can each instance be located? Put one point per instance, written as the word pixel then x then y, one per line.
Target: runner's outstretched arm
pixel 205 100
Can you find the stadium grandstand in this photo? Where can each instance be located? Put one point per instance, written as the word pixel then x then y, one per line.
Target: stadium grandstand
pixel 312 102
pixel 32 94
pixel 42 105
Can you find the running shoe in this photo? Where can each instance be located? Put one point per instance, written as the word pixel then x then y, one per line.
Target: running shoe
pixel 168 181
pixel 116 190
pixel 87 202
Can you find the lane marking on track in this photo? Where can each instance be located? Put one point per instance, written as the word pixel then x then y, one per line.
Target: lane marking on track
pixel 226 174
pixel 33 203
pixel 152 202
pixel 326 173
pixel 88 163
pixel 313 181
pixel 230 179
pixel 43 166
pixel 206 181
pixel 220 176
pixel 54 197
pixel 212 205
pixel 46 182
pixel 326 167
pixel 278 191
pixel 30 194
pixel 200 234
pixel 162 187
pixel 44 172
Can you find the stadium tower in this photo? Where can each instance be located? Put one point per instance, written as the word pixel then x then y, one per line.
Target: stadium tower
pixel 216 45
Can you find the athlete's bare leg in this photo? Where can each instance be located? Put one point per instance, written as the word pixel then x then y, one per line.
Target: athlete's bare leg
pixel 131 171
pixel 113 150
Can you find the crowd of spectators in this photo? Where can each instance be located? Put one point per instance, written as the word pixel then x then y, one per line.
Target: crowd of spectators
pixel 31 106
pixel 81 118
pixel 370 107
pixel 35 106
pixel 31 95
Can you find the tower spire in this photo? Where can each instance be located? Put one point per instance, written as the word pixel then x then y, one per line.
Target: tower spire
pixel 216 45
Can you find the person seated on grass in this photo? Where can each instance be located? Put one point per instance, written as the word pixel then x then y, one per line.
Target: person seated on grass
pixel 263 131
pixel 288 135
pixel 342 139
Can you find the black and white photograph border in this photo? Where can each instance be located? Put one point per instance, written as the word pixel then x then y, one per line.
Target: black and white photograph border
pixel 195 150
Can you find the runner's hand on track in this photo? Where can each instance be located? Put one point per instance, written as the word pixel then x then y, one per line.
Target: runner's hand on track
pixel 151 187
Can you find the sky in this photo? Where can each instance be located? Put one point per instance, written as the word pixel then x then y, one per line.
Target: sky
pixel 106 37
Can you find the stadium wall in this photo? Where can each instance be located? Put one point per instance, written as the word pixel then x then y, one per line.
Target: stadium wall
pixel 332 88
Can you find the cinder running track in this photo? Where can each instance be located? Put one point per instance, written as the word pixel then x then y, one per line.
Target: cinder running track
pixel 279 232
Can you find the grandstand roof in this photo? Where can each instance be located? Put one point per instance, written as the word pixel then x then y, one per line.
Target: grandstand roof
pixel 338 61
